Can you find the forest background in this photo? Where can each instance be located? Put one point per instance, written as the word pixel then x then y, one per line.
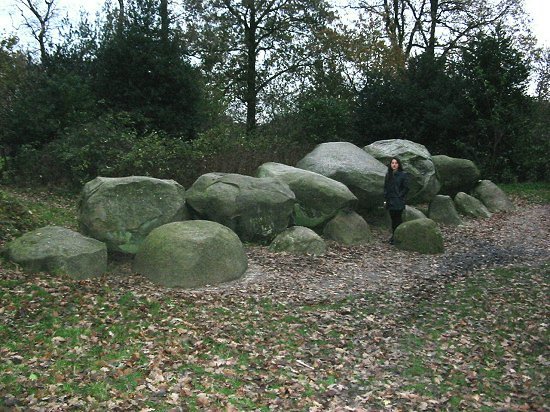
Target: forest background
pixel 175 89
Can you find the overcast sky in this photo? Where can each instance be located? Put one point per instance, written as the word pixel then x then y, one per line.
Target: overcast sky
pixel 10 18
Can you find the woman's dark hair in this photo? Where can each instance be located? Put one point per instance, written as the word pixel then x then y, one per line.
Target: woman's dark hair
pixel 400 168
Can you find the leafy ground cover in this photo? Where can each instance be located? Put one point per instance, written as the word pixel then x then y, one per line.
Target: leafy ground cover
pixel 470 340
pixel 538 192
pixel 480 343
pixel 23 209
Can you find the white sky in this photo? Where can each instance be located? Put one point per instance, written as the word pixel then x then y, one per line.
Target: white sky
pixel 10 17
pixel 539 10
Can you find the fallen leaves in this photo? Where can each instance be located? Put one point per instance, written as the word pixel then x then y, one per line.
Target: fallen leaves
pixel 362 328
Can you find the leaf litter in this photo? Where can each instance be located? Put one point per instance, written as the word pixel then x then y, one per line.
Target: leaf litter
pixel 365 327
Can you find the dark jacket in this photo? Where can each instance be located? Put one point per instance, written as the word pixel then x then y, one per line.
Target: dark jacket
pixel 396 187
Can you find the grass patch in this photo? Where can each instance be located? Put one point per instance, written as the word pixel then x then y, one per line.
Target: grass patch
pixel 470 347
pixel 480 341
pixel 534 192
pixel 23 210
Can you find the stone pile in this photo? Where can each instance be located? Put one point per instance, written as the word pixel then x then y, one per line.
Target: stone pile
pixel 193 238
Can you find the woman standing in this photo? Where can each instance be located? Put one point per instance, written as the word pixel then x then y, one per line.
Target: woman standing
pixel 396 188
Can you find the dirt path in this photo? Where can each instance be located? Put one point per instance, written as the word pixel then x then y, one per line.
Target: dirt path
pixel 521 237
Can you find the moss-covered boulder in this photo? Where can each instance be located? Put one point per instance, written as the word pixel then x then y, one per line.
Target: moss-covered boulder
pixel 191 254
pixel 455 174
pixel 419 235
pixel 493 197
pixel 122 211
pixel 348 228
pixel 442 210
pixel 352 166
pixel 59 250
pixel 412 213
pixel 255 208
pixel 470 206
pixel 417 162
pixel 318 198
pixel 299 240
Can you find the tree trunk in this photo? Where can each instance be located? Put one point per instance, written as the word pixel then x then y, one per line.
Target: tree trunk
pixel 164 23
pixel 120 24
pixel 434 5
pixel 251 92
pixel 42 43
pixel 43 20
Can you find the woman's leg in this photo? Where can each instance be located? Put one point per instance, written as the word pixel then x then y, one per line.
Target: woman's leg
pixel 396 220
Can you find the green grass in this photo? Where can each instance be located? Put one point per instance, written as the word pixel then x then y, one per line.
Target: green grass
pixel 535 192
pixel 459 346
pixel 22 210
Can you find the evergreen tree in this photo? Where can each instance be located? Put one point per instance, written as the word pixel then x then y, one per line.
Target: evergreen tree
pixel 141 68
pixel 494 77
pixel 418 103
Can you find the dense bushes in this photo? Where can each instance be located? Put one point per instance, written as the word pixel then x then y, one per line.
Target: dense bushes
pixel 475 107
pixel 112 146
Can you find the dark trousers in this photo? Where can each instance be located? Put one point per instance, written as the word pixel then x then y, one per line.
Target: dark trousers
pixel 396 219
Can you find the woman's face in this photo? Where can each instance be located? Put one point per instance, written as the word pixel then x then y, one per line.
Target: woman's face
pixel 394 165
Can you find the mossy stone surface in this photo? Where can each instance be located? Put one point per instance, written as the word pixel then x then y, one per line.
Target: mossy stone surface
pixel 470 206
pixel 191 254
pixel 122 211
pixel 299 240
pixel 58 250
pixel 419 235
pixel 318 198
pixel 348 228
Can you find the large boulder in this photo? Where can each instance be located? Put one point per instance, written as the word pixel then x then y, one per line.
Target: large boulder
pixel 257 209
pixel 348 228
pixel 419 235
pixel 470 206
pixel 318 198
pixel 455 175
pixel 59 250
pixel 352 166
pixel 298 240
pixel 191 254
pixel 417 162
pixel 493 197
pixel 412 213
pixel 442 210
pixel 122 211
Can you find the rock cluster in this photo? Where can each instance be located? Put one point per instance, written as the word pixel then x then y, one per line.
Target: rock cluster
pixel 194 238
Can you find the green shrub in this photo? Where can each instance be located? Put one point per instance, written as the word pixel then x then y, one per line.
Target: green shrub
pixel 95 148
pixel 157 155
pixel 229 149
pixel 111 145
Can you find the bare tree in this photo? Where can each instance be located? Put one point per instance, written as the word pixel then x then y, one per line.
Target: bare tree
pixel 249 44
pixel 39 22
pixel 437 26
pixel 542 73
